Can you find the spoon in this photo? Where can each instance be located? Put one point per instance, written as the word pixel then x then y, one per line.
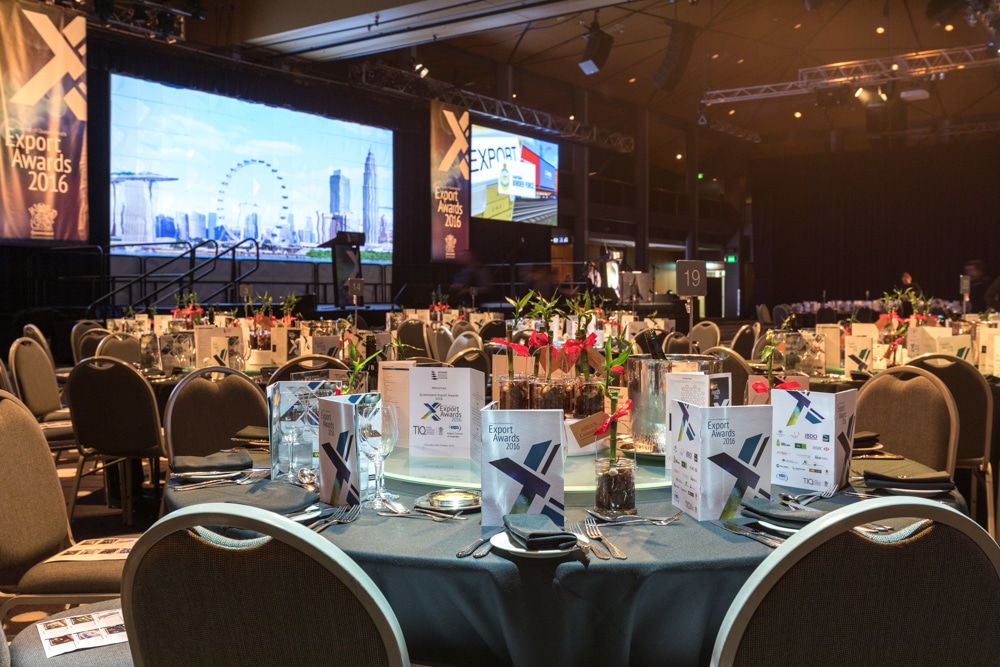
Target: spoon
pixel 308 479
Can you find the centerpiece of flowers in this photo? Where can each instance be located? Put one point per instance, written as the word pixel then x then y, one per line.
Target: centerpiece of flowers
pixel 615 474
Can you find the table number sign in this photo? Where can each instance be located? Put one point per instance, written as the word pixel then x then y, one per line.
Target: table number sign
pixel 521 460
pixel 343 473
pixel 813 437
pixel 721 457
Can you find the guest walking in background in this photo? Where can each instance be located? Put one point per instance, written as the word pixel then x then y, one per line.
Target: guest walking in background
pixel 983 291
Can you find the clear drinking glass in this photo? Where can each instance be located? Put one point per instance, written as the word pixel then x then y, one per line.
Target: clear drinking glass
pixel 378 431
pixel 298 449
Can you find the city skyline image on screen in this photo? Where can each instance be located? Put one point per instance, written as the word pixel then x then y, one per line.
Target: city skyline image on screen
pixel 187 166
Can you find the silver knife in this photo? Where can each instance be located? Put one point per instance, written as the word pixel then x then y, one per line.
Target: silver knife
pixel 467 550
pixel 746 531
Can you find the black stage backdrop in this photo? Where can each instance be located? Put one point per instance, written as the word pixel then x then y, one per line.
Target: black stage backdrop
pixel 851 222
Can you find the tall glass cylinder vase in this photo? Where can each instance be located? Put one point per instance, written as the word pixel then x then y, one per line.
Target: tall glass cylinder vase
pixel 615 494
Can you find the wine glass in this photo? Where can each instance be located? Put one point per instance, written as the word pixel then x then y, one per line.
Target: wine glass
pixel 378 431
pixel 291 425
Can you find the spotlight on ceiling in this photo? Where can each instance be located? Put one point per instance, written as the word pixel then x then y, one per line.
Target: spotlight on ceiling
pixel 419 68
pixel 597 50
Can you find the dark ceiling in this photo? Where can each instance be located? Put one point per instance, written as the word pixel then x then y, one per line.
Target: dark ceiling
pixel 668 55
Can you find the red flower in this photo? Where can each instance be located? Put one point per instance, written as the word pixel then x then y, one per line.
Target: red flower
pixel 573 348
pixel 538 339
pixel 617 369
pixel 519 349
pixel 618 414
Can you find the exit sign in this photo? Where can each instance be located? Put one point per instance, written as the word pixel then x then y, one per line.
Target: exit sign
pixel 731 259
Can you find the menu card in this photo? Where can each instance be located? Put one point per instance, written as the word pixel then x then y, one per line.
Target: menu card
pixel 721 457
pixel 858 354
pixel 344 474
pixel 394 385
pixel 696 389
pixel 831 341
pixel 286 344
pixel 444 411
pixel 813 437
pixel 520 454
pixel 73 633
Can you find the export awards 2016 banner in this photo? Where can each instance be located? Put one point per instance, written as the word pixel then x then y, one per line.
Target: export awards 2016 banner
pixel 449 181
pixel 43 164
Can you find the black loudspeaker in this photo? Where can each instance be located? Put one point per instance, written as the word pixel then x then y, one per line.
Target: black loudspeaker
pixel 887 123
pixel 676 58
pixel 597 51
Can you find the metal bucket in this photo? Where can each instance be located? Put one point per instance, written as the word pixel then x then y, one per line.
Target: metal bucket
pixel 647 389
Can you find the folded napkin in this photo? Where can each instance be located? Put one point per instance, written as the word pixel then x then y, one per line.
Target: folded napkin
pixel 537 532
pixel 934 481
pixel 223 461
pixel 761 509
pixel 865 439
pixel 252 433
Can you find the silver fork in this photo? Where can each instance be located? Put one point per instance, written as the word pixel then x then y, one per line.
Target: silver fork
pixel 593 545
pixel 806 498
pixel 344 516
pixel 594 533
pixel 248 478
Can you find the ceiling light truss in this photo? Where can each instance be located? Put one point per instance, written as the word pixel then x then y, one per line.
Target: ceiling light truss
pixel 919 65
pixel 388 79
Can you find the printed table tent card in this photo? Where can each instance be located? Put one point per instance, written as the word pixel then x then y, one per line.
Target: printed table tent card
pixel 831 343
pixel 203 335
pixel 722 457
pixel 813 437
pixel 696 389
pixel 858 354
pixel 286 344
pixel 343 471
pixel 444 406
pixel 521 460
pixel 294 414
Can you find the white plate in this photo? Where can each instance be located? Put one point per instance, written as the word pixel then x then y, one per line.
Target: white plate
pixel 206 476
pixel 924 493
pixel 775 528
pixel 502 541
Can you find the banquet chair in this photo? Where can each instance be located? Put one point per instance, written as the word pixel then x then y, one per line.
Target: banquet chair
pixel 764 315
pixel 191 596
pixel 739 371
pixel 467 340
pixel 440 340
pixel 974 400
pixel 493 329
pixel 649 340
pixel 207 408
pixel 309 362
pixel 743 341
pixel 758 348
pixel 474 358
pixel 35 380
pixel 5 381
pixel 76 333
pixel 34 525
pixel 461 326
pixel 120 346
pixel 88 342
pixel 781 313
pixel 34 333
pixel 677 343
pixel 830 594
pixel 826 315
pixel 413 339
pixel 115 420
pixel 914 414
pixel 705 334
pixel 865 315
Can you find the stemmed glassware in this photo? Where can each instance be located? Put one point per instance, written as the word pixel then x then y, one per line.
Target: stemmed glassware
pixel 291 426
pixel 378 431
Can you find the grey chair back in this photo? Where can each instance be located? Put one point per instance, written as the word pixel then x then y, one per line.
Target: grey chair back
pixel 34 333
pixel 35 377
pixel 318 599
pixel 120 346
pixel 461 326
pixel 974 400
pixel 473 358
pixel 914 414
pixel 76 333
pixel 439 341
pixel 677 343
pixel 309 362
pixel 493 329
pixel 468 340
pixel 737 367
pixel 909 577
pixel 412 337
pixel 88 342
pixel 743 341
pixel 208 407
pixel 705 334
pixel 764 315
pixel 5 381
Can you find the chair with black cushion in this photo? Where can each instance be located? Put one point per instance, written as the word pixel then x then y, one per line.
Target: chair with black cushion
pixel 865 315
pixel 120 346
pixel 493 329
pixel 115 421
pixel 34 525
pixel 412 338
pixel 922 595
pixel 207 408
pixel 474 358
pixel 737 367
pixel 34 333
pixel 76 333
pixel 914 414
pixel 826 315
pixel 461 326
pixel 467 340
pixel 318 599
pixel 743 341
pixel 27 651
pixel 758 348
pixel 974 400
pixel 88 342
pixel 782 313
pixel 35 380
pixel 705 334
pixel 650 340
pixel 677 343
pixel 764 315
pixel 439 340
pixel 304 364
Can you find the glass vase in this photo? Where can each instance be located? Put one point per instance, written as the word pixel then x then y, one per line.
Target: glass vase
pixel 515 393
pixel 615 493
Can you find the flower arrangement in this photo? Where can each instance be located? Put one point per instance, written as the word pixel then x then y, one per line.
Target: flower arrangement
pixel 187 311
pixel 260 320
pixel 287 306
pixel 544 310
pixel 615 492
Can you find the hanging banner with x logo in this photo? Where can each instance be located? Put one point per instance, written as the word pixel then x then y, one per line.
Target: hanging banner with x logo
pixel 449 181
pixel 43 159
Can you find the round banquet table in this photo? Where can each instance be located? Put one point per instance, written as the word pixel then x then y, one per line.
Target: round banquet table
pixel 663 605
